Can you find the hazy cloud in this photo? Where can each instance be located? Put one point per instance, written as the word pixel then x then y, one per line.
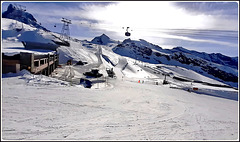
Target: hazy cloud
pixel 196 24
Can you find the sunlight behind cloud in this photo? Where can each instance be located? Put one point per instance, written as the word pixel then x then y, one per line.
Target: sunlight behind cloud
pixel 147 15
pixel 148 19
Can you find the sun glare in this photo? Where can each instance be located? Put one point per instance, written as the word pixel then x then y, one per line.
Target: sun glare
pixel 147 15
pixel 145 18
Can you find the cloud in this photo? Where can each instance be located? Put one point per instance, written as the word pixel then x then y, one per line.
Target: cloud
pixel 192 36
pixel 159 22
pixel 144 14
pixel 213 8
pixel 158 14
pixel 145 18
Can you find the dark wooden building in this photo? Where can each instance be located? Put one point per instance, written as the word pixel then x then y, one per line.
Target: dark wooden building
pixel 36 64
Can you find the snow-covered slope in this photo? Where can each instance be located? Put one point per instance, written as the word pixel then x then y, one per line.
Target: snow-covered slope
pixel 86 51
pixel 36 107
pixel 13 12
pixel 103 40
pixel 12 38
pixel 213 57
pixel 139 50
pixel 27 33
pixel 216 66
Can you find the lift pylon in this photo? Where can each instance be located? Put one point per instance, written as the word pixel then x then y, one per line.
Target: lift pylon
pixel 65 34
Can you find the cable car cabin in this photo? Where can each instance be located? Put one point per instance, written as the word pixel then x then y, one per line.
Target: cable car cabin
pixel 127 34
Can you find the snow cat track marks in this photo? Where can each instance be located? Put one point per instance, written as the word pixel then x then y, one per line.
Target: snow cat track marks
pixel 138 115
pixel 198 126
pixel 198 119
pixel 163 113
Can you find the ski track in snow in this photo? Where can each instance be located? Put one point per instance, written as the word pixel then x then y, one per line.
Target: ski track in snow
pixel 141 112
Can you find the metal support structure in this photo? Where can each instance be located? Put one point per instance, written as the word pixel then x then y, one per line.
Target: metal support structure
pixel 65 34
pixel 32 62
pixel 165 79
pixel 48 67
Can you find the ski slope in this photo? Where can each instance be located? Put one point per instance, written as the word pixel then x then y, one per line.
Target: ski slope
pixel 36 107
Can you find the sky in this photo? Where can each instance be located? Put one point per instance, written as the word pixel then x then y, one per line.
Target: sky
pixel 210 27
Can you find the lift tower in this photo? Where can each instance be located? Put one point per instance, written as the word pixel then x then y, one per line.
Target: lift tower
pixel 65 34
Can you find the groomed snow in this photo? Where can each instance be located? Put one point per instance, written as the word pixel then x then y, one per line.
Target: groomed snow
pixel 36 107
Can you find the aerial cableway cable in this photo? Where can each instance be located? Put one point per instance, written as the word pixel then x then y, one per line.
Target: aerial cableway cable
pixel 204 33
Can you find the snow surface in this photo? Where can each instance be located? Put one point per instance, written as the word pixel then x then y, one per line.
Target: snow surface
pixel 12 39
pixel 36 107
pixel 147 52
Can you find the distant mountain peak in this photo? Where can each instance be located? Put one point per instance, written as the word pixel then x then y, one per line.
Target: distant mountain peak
pixel 104 36
pixel 213 65
pixel 16 14
pixel 103 39
pixel 21 16
pixel 143 40
pixel 127 40
pixel 180 48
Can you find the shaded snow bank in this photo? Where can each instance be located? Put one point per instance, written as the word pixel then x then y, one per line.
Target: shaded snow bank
pixel 36 80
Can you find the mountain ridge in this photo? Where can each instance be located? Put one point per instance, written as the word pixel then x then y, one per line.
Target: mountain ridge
pixel 22 16
pixel 103 40
pixel 214 65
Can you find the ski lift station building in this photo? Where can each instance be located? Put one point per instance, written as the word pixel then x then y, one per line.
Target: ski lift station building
pixel 35 62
